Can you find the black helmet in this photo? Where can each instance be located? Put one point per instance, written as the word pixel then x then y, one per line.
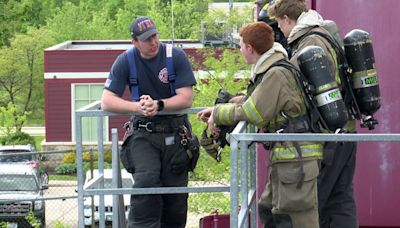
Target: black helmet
pixel 264 16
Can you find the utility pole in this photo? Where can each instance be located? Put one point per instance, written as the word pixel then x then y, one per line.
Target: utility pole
pixel 172 22
pixel 230 37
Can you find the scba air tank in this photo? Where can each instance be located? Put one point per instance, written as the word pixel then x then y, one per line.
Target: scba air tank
pixel 314 64
pixel 360 56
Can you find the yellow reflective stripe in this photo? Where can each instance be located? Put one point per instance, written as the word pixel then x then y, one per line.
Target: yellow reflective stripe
pixel 252 114
pixel 224 116
pixel 350 126
pixel 334 56
pixel 326 87
pixel 364 73
pixel 284 153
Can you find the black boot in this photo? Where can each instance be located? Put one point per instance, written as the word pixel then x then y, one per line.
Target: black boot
pixel 282 221
pixel 266 216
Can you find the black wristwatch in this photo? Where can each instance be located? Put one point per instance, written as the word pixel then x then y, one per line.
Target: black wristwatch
pixel 160 105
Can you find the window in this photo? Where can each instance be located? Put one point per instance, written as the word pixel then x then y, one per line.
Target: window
pixel 84 94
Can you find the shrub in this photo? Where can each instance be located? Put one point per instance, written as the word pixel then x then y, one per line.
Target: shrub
pixel 59 224
pixel 17 138
pixel 86 166
pixel 31 219
pixel 86 155
pixel 108 156
pixel 69 158
pixel 66 169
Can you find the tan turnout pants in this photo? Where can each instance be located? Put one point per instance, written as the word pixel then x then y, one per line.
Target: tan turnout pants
pixel 287 200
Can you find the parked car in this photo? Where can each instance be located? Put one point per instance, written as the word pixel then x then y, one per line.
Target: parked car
pixel 31 159
pixel 127 182
pixel 20 193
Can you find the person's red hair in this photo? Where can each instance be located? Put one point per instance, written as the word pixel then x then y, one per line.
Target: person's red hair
pixel 259 35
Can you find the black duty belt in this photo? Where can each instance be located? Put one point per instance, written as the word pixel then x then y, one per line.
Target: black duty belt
pixel 159 125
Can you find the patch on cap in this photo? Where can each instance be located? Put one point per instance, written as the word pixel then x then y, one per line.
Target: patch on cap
pixel 143 28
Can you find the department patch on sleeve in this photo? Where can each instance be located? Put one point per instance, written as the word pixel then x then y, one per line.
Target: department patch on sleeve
pixel 107 83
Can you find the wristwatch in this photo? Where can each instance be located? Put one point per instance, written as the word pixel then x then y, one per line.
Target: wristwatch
pixel 160 105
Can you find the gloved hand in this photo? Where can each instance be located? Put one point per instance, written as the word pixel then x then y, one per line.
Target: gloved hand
pixel 211 145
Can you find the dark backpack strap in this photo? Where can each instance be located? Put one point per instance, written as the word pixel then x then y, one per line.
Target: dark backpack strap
pixel 307 94
pixel 170 69
pixel 133 82
pixel 290 129
pixel 133 79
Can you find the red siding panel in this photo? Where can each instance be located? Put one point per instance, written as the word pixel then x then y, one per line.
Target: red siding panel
pixel 90 60
pixel 58 108
pixel 79 60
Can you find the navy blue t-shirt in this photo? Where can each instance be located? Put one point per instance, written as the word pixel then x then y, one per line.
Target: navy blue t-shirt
pixel 152 74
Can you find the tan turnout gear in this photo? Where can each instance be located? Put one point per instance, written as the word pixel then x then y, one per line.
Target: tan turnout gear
pixel 275 104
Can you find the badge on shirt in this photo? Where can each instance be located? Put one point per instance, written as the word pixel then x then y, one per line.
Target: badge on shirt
pixel 163 75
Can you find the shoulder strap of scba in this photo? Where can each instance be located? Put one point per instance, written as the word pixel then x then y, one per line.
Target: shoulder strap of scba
pixel 315 116
pixel 133 79
pixel 343 67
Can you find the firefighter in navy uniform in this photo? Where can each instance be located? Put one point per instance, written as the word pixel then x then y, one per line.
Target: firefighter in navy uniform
pixel 290 196
pixel 335 184
pixel 154 150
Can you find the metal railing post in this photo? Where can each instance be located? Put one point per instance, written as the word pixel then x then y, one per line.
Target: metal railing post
pixel 234 188
pixel 79 168
pixel 253 183
pixel 100 159
pixel 244 185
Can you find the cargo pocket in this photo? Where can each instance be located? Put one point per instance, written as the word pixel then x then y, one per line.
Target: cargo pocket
pixel 291 198
pixel 126 155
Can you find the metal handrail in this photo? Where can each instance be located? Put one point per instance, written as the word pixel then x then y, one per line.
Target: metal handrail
pixel 92 110
pixel 242 136
pixel 241 142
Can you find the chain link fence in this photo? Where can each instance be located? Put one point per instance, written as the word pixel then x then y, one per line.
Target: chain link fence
pixel 52 185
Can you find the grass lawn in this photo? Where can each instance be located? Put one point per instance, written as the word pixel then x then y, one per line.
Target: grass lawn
pixel 38 141
pixel 61 177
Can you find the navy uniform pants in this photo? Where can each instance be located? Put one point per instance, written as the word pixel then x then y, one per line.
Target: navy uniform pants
pixel 337 208
pixel 157 160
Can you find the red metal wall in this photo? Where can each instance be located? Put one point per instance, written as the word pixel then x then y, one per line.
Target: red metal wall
pixel 377 180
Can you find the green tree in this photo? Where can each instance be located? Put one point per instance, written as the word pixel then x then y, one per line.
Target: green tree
pixel 70 22
pixel 125 16
pixel 228 70
pixel 21 75
pixel 17 15
pixel 187 17
pixel 9 119
pixel 223 23
pixel 113 18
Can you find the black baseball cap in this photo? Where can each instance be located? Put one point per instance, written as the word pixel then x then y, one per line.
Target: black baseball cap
pixel 142 28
